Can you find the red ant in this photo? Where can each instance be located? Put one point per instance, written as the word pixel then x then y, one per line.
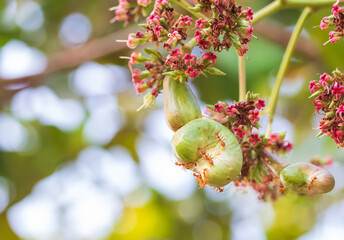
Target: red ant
pixel 207 157
pixel 311 183
pixel 221 139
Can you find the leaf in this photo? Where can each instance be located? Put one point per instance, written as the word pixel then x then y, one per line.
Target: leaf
pixel 215 71
pixel 153 53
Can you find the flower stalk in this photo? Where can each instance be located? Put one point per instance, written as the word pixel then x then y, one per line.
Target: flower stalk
pixel 242 78
pixel 186 6
pixel 284 65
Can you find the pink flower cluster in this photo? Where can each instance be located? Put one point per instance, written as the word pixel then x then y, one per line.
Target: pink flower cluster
pixel 328 93
pixel 336 21
pixel 159 27
pixel 231 27
pixel 128 10
pixel 242 119
pixel 277 143
pixel 188 65
pixel 242 116
pixel 169 30
pixel 151 77
pixel 177 65
pixel 162 27
pixel 177 33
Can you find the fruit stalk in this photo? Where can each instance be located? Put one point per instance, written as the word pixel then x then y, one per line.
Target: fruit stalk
pixel 180 104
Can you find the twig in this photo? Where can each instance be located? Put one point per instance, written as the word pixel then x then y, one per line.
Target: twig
pixel 284 65
pixel 70 58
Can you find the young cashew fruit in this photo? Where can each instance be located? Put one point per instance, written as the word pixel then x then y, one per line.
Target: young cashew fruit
pixel 307 178
pixel 209 149
pixel 180 103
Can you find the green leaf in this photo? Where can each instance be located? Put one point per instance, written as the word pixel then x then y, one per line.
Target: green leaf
pixel 153 53
pixel 215 71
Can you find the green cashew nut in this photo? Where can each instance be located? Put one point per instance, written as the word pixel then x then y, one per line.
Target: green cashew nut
pixel 180 103
pixel 307 178
pixel 301 177
pixel 209 149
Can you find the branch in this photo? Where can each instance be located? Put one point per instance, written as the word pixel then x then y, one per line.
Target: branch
pixel 266 11
pixel 284 65
pixel 71 58
pixel 309 3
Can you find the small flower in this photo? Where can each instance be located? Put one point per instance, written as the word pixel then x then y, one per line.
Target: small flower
pixel 260 104
pixel 239 131
pixel 337 90
pixel 340 111
pixel 209 56
pixel 254 116
pixel 158 30
pixel 324 78
pixel 191 72
pixel 325 23
pixel 248 13
pixel 337 135
pixel 335 36
pixel 148 100
pixel 201 23
pixel 153 20
pixel 218 107
pixel 176 52
pixel 312 86
pixel 136 76
pixel 231 110
pixel 287 146
pixel 132 41
pixel 249 31
pixel 199 40
pixel 174 37
pixel 141 87
pixel 185 21
pixel 167 47
pixel 135 58
pixel 241 49
pixel 188 58
pixel 274 137
pixel 254 139
pixel 121 14
pixel 318 105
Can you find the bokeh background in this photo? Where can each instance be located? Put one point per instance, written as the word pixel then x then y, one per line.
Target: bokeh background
pixel 77 161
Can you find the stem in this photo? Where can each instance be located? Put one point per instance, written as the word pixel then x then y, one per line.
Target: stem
pixel 284 65
pixel 275 163
pixel 279 4
pixel 266 11
pixel 185 5
pixel 309 3
pixel 242 78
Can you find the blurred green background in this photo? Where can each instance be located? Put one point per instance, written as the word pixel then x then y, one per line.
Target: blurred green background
pixel 78 162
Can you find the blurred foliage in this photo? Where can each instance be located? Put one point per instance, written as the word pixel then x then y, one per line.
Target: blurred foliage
pixel 49 148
